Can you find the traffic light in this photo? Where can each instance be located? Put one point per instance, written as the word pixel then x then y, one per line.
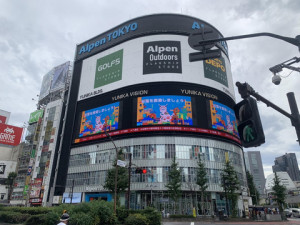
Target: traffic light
pixel 249 124
pixel 140 170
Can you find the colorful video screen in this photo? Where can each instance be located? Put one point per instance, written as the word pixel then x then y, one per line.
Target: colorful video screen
pixel 164 110
pixel 97 120
pixel 223 118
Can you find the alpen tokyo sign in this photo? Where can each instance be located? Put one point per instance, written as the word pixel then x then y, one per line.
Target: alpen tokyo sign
pixel 10 135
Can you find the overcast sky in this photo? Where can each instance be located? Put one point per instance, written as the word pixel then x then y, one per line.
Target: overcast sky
pixel 36 36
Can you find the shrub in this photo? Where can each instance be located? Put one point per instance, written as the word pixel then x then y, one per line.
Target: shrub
pixel 36 219
pixel 82 219
pixel 136 219
pixel 104 211
pixel 122 214
pixel 153 216
pixel 13 217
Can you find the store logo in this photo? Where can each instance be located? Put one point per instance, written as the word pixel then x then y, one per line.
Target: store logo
pixel 109 69
pixel 7 135
pixel 162 57
pixel 215 69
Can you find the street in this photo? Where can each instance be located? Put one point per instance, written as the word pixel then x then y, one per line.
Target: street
pixel 291 221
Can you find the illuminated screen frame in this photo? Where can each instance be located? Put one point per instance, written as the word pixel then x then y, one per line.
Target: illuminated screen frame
pixel 98 120
pixel 164 110
pixel 223 118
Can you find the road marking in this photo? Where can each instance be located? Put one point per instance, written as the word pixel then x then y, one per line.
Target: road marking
pixel 192 223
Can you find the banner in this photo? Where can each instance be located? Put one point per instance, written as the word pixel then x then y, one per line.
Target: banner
pixel 10 135
pixel 34 116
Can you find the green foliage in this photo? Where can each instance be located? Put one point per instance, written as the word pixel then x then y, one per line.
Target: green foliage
pixel 280 192
pixel 174 183
pixel 136 219
pixel 230 183
pixel 82 219
pixel 201 179
pixel 13 217
pixel 122 181
pixel 103 211
pixel 10 179
pixel 253 190
pixel 36 219
pixel 153 216
pixel 122 214
pixel 28 210
pixel 10 182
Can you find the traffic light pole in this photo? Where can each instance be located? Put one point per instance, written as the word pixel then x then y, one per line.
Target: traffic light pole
pixel 246 90
pixel 129 180
pixel 116 172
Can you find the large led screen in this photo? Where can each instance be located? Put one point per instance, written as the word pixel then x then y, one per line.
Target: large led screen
pixel 98 120
pixel 164 110
pixel 223 118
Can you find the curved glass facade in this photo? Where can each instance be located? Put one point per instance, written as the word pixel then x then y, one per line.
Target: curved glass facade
pixel 88 165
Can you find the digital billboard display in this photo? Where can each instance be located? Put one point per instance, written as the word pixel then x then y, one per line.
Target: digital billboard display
pixel 98 120
pixel 223 118
pixel 164 110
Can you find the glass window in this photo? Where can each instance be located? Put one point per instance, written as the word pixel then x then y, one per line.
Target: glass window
pixel 160 151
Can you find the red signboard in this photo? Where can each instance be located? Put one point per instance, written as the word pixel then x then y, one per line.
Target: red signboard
pixel 10 135
pixel 2 119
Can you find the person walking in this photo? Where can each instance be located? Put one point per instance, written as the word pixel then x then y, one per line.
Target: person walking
pixel 64 219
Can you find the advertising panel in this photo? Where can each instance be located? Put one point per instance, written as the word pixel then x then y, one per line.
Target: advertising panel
pixel 36 188
pixel 223 118
pixel 76 197
pixel 35 116
pixel 97 120
pixel 151 107
pixel 46 84
pixel 162 57
pixel 59 76
pixel 163 110
pixel 10 135
pixel 159 58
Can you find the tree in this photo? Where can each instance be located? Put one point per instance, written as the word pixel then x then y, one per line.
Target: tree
pixel 174 183
pixel 253 190
pixel 230 183
pixel 122 182
pixel 202 179
pixel 279 192
pixel 10 182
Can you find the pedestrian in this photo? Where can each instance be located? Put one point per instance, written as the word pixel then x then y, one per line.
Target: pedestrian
pixel 64 219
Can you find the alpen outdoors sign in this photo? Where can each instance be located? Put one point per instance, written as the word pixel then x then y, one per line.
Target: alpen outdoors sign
pixel 10 135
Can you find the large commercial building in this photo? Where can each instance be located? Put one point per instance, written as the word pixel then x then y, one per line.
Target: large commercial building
pixel 254 166
pixel 10 137
pixel 136 82
pixel 37 161
pixel 287 163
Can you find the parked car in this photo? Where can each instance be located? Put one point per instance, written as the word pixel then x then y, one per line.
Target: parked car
pixel 288 212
